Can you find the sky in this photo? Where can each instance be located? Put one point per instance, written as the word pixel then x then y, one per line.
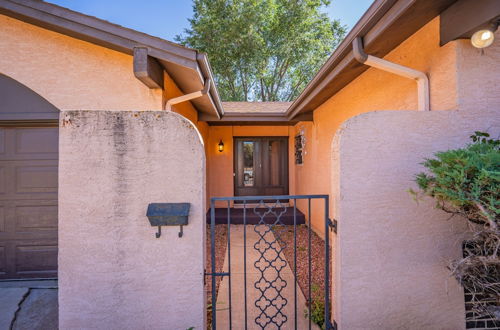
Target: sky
pixel 168 18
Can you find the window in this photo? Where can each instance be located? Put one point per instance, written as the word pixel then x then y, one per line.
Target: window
pixel 299 149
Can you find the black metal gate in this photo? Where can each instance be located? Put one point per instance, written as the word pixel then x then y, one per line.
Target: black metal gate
pixel 271 305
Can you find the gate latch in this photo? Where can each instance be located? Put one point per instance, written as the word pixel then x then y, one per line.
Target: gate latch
pixel 333 225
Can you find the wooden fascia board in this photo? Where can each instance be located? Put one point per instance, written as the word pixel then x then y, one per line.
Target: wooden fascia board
pixel 465 17
pixel 147 69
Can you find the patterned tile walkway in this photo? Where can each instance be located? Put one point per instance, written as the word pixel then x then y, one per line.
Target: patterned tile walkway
pixel 275 306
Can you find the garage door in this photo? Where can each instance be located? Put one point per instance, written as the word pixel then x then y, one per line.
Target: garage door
pixel 28 202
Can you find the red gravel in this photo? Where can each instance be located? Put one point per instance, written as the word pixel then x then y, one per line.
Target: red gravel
pixel 317 260
pixel 220 252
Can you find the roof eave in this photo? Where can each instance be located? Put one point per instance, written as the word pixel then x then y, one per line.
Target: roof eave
pixel 202 59
pixel 174 58
pixel 376 27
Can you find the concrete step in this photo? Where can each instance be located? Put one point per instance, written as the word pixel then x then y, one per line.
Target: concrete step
pixel 253 216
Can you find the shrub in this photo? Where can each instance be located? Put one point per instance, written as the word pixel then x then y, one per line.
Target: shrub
pixel 317 313
pixel 466 182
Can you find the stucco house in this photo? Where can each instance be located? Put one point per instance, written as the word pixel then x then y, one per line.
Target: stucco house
pixel 97 121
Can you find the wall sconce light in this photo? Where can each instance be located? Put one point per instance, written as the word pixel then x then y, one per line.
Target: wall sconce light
pixel 220 146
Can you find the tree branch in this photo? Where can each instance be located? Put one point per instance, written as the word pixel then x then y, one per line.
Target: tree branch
pixel 491 220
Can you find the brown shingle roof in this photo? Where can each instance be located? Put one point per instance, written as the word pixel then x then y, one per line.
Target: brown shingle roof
pixel 257 107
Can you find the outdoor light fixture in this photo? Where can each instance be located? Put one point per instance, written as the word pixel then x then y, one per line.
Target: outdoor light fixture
pixel 476 20
pixel 221 146
pixel 482 38
pixel 485 34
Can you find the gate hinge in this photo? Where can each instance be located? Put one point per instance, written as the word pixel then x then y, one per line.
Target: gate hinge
pixel 331 326
pixel 217 274
pixel 333 225
pixel 213 274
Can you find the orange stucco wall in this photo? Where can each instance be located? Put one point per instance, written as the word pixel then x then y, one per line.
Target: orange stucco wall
pixel 376 90
pixel 373 90
pixel 220 164
pixel 74 74
pixel 70 73
pixel 455 82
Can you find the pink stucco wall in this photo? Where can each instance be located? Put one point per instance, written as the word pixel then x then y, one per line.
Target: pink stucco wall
pixel 478 76
pixel 113 272
pixel 391 253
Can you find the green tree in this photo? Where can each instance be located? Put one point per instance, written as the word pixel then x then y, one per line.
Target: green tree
pixel 262 50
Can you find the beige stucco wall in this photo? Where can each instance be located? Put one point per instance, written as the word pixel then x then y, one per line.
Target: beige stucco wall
pixel 70 73
pixel 113 272
pixel 376 90
pixel 390 252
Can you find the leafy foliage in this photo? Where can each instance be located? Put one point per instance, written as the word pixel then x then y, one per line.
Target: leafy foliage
pixel 262 50
pixel 466 182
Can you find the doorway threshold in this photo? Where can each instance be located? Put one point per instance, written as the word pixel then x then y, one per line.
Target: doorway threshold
pixel 254 205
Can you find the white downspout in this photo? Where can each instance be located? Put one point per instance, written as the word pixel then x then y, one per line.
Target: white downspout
pixel 187 97
pixel 400 70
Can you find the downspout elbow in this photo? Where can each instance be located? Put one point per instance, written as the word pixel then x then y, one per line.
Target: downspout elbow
pixel 358 51
pixel 379 63
pixel 188 97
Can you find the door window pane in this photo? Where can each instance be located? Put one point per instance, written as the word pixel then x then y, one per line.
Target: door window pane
pixel 248 163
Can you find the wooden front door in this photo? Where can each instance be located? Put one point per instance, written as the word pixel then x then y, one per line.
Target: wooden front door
pixel 261 166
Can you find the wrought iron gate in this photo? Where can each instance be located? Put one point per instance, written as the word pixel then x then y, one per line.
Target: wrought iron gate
pixel 271 308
